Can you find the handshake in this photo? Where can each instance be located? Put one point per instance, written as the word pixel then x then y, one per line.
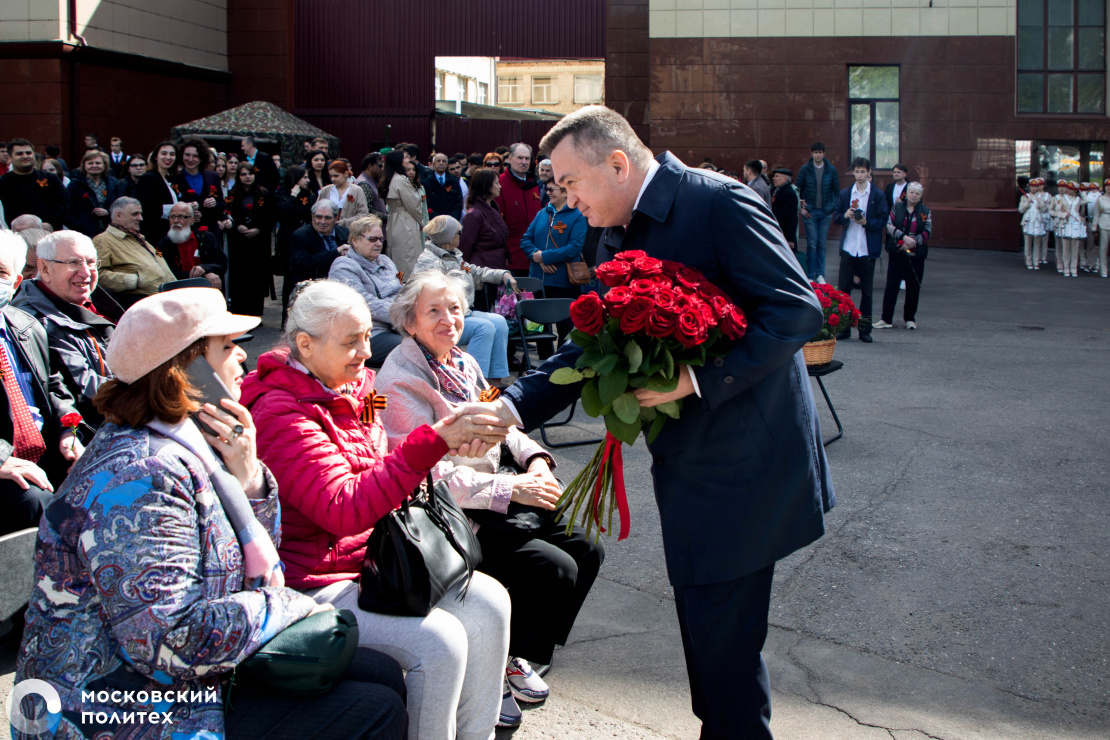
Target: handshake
pixel 473 428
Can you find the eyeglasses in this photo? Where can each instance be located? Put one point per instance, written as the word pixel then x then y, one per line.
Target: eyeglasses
pixel 491 163
pixel 374 239
pixel 75 264
pixel 137 164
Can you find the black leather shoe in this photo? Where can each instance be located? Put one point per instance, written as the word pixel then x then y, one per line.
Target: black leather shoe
pixel 844 336
pixel 866 338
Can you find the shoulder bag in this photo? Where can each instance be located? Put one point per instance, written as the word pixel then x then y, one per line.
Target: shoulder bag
pixel 307 658
pixel 417 553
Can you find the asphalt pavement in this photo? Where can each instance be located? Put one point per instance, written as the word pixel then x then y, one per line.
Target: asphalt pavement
pixel 962 589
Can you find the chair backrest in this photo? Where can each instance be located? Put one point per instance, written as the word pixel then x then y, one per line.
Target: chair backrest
pixel 17 570
pixel 197 282
pixel 534 285
pixel 544 310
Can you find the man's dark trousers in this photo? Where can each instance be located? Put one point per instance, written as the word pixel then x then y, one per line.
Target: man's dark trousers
pixel 863 268
pixel 724 626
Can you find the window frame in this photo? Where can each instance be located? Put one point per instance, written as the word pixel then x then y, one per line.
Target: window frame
pixel 871 102
pixel 1045 71
pixel 513 82
pixel 551 85
pixel 591 77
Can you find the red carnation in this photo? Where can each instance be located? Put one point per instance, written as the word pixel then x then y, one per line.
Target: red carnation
pixel 834 319
pixel 588 313
pixel 826 302
pixel 631 255
pixel 647 267
pixel 191 192
pixel 203 229
pixel 614 273
pixel 617 299
pixel 692 328
pixel 636 314
pixel 72 420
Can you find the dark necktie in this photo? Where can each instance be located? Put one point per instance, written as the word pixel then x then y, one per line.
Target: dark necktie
pixel 330 241
pixel 441 179
pixel 27 439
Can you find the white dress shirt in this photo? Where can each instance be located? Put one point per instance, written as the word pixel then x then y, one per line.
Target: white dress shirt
pixel 855 238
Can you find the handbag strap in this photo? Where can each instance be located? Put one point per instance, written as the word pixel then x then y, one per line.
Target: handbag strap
pixel 434 509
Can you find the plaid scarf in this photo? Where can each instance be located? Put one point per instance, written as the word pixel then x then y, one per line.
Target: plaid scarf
pixel 453 378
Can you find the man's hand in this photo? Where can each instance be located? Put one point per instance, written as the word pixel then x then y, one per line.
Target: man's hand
pixel 25 474
pixel 685 387
pixel 214 279
pixel 100 212
pixel 343 249
pixel 225 224
pixel 537 257
pixel 209 202
pixel 70 447
pixel 197 271
pixel 251 233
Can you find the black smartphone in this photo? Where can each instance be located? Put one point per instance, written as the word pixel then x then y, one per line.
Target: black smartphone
pixel 212 389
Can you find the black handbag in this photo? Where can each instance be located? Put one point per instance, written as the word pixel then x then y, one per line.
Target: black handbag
pixel 307 658
pixel 418 553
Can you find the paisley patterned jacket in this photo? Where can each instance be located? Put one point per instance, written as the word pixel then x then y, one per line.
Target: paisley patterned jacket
pixel 139 589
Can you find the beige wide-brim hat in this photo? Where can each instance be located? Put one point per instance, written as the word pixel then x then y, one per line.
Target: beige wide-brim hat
pixel 160 326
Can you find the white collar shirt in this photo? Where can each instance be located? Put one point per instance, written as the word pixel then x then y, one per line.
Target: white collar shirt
pixel 898 188
pixel 855 238
pixel 652 169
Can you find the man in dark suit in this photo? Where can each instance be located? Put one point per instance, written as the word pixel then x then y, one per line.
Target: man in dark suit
pixel 863 213
pixel 442 190
pixel 312 248
pixel 741 479
pixel 265 169
pixel 896 189
pixel 35 450
pixel 118 158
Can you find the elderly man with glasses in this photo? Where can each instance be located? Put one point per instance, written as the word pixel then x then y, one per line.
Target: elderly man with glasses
pixel 79 315
pixel 192 252
pixel 313 247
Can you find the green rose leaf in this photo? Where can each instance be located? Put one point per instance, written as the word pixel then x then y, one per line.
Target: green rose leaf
pixel 626 433
pixel 647 413
pixel 668 363
pixel 607 364
pixel 591 401
pixel 661 385
pixel 613 385
pixel 566 376
pixel 591 356
pixel 627 408
pixel 670 408
pixel 635 356
pixel 656 427
pixel 582 339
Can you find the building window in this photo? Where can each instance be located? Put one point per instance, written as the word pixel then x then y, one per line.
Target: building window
pixel 441 85
pixel 587 89
pixel 1061 56
pixel 543 91
pixel 873 102
pixel 509 90
pixel 483 90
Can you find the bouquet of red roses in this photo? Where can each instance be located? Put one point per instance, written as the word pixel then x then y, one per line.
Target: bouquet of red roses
pixel 840 312
pixel 657 316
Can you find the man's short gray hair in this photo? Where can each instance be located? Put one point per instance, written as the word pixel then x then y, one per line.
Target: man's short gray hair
pixel 26 221
pixel 402 313
pixel 314 307
pixel 120 203
pixel 47 247
pixel 13 251
pixel 597 132
pixel 513 148
pixel 325 202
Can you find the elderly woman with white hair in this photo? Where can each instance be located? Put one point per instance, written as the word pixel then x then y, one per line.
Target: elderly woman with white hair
pixel 907 232
pixel 313 402
pixel 485 335
pixel 373 276
pixel 510 492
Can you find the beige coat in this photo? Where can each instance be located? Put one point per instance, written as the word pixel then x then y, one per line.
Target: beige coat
pixel 126 266
pixel 354 205
pixel 414 398
pixel 407 211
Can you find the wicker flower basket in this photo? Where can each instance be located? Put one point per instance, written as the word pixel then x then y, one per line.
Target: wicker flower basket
pixel 819 353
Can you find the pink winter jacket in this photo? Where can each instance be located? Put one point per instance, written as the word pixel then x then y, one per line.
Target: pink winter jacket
pixel 335 476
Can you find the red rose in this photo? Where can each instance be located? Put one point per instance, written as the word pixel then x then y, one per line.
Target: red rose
pixel 617 299
pixel 826 302
pixel 644 288
pixel 636 314
pixel 661 323
pixel 720 306
pixel 665 297
pixel 631 255
pixel 834 320
pixel 614 273
pixel 734 324
pixel 588 313
pixel 707 313
pixel 191 192
pixel 671 268
pixel 690 278
pixel 71 420
pixel 203 229
pixel 647 267
pixel 692 328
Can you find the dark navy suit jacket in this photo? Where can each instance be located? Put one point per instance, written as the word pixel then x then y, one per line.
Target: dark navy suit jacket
pixel 877 214
pixel 443 200
pixel 741 479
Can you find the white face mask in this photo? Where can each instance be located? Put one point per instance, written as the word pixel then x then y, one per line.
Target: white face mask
pixel 7 287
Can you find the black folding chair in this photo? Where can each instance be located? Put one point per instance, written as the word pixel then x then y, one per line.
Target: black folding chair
pixel 548 312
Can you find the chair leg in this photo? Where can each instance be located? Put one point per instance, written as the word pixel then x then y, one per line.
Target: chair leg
pixel 832 410
pixel 543 432
pixel 565 421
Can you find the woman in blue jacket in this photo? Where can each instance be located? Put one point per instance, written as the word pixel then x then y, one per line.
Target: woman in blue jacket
pixel 554 238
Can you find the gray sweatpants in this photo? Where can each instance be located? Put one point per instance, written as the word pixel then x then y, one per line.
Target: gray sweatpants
pixel 454 658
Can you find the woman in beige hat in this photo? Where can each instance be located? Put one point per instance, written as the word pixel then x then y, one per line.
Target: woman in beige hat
pixel 156 563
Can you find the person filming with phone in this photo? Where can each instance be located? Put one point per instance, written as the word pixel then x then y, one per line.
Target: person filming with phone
pixel 157 558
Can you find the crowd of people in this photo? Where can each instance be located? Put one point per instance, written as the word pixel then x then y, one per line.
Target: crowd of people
pixel 388 263
pixel 1076 219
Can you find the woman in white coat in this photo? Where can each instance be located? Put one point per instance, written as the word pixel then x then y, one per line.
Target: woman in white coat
pixel 347 197
pixel 1071 228
pixel 407 213
pixel 1033 207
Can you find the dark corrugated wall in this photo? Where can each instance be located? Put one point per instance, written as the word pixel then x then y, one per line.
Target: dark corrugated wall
pixel 362 64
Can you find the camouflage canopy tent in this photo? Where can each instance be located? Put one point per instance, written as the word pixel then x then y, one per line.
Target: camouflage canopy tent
pixel 274 130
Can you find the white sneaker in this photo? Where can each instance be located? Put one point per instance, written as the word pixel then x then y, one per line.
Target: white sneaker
pixel 911 325
pixel 880 324
pixel 510 715
pixel 821 279
pixel 525 684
